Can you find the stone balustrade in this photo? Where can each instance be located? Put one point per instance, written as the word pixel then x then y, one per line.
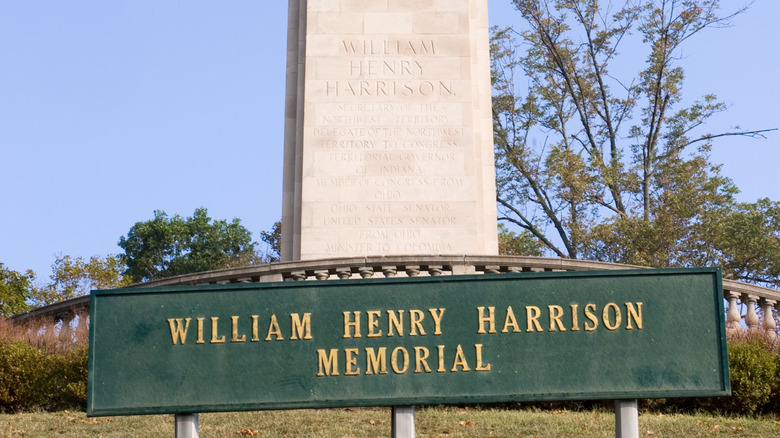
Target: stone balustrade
pixel 749 307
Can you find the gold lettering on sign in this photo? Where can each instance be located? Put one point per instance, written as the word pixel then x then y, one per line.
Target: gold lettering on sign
pixel 510 321
pixel 594 322
pixel 373 323
pixel 490 318
pixel 416 317
pixel 351 361
pixel 575 327
pixel 300 329
pixel 215 338
pixel 611 323
pixel 396 322
pixel 420 359
pixel 436 314
pixel 400 360
pixel 635 314
pixel 179 329
pixel 328 363
pixel 400 369
pixel 200 331
pixel 460 360
pixel 610 316
pixel 556 313
pixel 532 314
pixel 274 330
pixel 255 328
pixel 354 325
pixel 480 365
pixel 376 360
pixel 235 337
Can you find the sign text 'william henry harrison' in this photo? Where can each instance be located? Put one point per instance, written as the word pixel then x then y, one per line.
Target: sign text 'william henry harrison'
pixel 459 339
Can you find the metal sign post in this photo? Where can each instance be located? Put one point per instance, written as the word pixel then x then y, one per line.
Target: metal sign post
pixel 186 426
pixel 402 422
pixel 626 419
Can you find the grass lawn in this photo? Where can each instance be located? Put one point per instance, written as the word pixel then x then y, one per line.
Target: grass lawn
pixel 375 422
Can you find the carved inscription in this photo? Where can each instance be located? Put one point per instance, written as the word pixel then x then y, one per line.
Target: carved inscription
pixel 391 148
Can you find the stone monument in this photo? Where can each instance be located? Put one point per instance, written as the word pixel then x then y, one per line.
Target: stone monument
pixel 388 130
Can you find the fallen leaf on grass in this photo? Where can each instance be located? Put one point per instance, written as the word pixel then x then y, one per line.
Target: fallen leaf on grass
pixel 737 429
pixel 715 427
pixel 650 433
pixel 467 423
pixel 247 432
pixel 11 432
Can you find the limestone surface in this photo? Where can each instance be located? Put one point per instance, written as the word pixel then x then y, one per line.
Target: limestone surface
pixel 388 141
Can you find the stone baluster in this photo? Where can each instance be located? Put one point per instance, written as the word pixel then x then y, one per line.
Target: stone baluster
pixel 435 270
pixel 413 271
pixel 66 331
pixel 733 315
pixel 366 272
pixel 389 271
pixel 751 317
pixel 298 275
pixel 344 273
pixel 492 269
pixel 769 323
pixel 322 274
pixel 82 329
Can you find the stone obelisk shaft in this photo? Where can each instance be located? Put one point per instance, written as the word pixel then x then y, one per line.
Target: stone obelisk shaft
pixel 388 137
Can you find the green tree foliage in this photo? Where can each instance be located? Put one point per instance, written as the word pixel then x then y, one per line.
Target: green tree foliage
pixel 273 238
pixel 74 276
pixel 598 163
pixel 167 246
pixel 15 291
pixel 511 243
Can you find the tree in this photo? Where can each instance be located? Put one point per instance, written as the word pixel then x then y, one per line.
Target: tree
pixel 511 243
pixel 273 239
pixel 73 276
pixel 744 241
pixel 599 167
pixel 15 291
pixel 164 247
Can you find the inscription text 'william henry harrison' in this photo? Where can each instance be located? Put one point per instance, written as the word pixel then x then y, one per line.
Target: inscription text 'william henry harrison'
pixel 365 61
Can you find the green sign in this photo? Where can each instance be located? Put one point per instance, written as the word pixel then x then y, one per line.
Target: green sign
pixel 407 341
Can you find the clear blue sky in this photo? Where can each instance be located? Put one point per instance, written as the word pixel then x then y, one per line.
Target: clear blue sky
pixel 110 110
